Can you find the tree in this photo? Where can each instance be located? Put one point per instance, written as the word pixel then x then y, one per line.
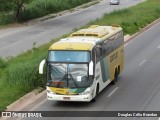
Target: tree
pixel 19 8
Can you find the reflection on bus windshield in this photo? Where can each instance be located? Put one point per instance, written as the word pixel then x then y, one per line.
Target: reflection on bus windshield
pixel 68 75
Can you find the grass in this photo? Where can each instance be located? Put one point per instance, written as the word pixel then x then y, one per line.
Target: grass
pixel 134 18
pixel 19 75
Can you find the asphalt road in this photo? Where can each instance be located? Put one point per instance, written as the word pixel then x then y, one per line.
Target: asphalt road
pixel 138 87
pixel 14 41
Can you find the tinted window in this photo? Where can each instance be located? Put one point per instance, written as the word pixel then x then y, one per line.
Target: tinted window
pixel 112 43
pixel 98 52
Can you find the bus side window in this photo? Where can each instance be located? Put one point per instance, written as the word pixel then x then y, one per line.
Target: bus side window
pixel 94 55
pixel 121 38
pixel 105 48
pixel 117 40
pixel 98 51
pixel 111 43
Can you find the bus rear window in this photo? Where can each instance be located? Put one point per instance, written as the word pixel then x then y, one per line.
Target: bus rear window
pixel 69 56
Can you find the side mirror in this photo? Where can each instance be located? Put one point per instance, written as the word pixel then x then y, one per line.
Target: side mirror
pixel 41 66
pixel 91 68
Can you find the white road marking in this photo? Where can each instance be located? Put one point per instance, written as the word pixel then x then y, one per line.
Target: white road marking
pixel 158 47
pixel 126 44
pixel 159 118
pixel 142 62
pixel 112 92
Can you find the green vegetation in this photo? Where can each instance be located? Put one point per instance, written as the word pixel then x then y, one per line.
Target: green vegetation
pixel 134 18
pixel 19 75
pixel 44 7
pixel 6 5
pixel 23 10
pixel 3 63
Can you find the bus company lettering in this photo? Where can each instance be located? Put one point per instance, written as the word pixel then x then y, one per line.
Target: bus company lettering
pixel 113 56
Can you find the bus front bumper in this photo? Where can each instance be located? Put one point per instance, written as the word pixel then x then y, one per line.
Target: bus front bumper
pixel 83 98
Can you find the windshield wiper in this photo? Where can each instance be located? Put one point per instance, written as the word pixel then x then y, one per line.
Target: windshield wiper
pixel 72 77
pixel 62 79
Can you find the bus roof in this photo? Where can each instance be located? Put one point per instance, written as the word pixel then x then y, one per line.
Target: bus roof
pixel 85 39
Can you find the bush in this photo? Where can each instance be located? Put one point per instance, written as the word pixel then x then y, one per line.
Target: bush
pixel 6 6
pixel 35 9
pixel 38 8
pixel 6 18
pixel 3 63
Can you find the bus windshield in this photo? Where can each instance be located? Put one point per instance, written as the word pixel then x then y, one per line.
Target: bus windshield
pixel 69 56
pixel 68 75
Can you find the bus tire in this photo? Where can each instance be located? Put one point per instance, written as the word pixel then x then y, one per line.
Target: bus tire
pixel 119 70
pixel 97 91
pixel 115 78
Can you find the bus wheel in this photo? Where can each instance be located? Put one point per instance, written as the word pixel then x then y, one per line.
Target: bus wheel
pixel 115 78
pixel 97 91
pixel 118 70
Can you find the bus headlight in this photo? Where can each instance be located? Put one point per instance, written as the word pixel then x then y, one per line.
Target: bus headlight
pixel 50 92
pixel 85 93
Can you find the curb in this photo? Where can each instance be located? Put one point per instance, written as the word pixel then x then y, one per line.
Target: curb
pixel 26 100
pixel 126 37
